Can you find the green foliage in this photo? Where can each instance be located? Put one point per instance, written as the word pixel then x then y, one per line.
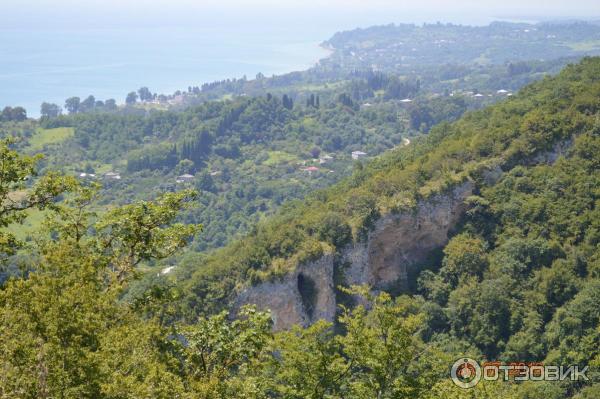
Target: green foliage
pixel 142 231
pixel 309 364
pixel 16 198
pixel 521 270
pixel 464 256
pixel 334 230
pixel 64 332
pixel 377 356
pixel 44 137
pixel 230 138
pixel 519 279
pixel 459 46
pixel 13 114
pixel 222 358
pixel 382 348
pixel 451 154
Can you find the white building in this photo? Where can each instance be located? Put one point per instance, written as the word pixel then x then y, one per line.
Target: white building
pixel 184 178
pixel 167 270
pixel 112 175
pixel 358 154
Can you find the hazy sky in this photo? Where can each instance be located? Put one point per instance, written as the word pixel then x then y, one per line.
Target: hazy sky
pixel 98 13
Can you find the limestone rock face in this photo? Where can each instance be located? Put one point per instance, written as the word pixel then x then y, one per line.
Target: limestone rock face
pixel 400 241
pixel 394 247
pixel 301 297
pixel 396 243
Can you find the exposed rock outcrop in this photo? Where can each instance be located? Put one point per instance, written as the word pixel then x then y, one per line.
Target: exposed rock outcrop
pixel 400 241
pixel 549 157
pixel 301 297
pixel 396 243
pixel 393 248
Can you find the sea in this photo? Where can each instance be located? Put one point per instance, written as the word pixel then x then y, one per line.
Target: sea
pixel 75 56
pixel 52 65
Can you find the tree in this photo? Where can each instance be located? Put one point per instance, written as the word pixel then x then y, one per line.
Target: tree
pixel 19 114
pixel 72 105
pixel 420 116
pixel 465 255
pixel 87 104
pixel 65 332
pixel 335 230
pixel 315 152
pixel 15 172
pixel 49 110
pixel 131 98
pixel 6 114
pixel 378 356
pixel 382 348
pixel 287 102
pixel 135 233
pixel 309 363
pixel 345 99
pixel 220 353
pixel 184 166
pixel 16 114
pixel 205 182
pixel 110 104
pixel 145 94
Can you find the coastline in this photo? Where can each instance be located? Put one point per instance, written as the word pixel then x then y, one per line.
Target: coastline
pixel 111 71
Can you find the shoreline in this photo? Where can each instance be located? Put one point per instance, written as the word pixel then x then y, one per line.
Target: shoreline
pixel 115 82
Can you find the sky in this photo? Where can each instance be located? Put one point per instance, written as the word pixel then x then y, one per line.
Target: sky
pixel 144 13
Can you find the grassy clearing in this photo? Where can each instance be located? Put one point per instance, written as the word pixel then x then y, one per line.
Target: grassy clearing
pixel 43 137
pixel 31 224
pixel 589 45
pixel 279 157
pixel 151 106
pixel 319 87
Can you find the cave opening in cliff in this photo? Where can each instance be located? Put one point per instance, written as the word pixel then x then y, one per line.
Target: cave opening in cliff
pixel 308 293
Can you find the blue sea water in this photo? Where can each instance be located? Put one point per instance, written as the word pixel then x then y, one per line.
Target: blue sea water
pixel 51 65
pixel 50 54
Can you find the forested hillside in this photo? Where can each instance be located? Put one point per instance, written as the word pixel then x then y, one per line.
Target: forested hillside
pixel 518 279
pixel 249 145
pixel 406 46
pixel 246 155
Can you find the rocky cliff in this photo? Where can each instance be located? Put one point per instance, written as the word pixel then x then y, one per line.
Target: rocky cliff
pixel 397 243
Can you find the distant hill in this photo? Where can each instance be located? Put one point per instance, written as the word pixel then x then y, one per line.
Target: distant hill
pixel 404 47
